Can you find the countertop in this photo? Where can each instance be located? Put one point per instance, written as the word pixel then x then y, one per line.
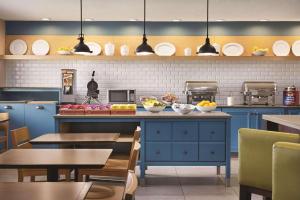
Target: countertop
pixel 148 115
pixel 30 102
pixel 245 106
pixel 292 121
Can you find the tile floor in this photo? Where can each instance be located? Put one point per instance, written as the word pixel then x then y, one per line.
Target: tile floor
pixel 178 183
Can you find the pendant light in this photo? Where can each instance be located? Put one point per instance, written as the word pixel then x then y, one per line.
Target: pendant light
pixel 81 48
pixel 144 49
pixel 207 48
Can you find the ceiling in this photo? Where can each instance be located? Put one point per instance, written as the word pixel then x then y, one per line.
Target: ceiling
pixel 157 10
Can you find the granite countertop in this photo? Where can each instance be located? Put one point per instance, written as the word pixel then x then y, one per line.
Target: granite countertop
pixel 149 115
pixel 292 121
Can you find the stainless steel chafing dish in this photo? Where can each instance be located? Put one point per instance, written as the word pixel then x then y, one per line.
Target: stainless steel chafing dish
pixel 196 91
pixel 259 92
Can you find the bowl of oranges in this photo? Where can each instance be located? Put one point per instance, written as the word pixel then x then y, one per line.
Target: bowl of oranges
pixel 206 106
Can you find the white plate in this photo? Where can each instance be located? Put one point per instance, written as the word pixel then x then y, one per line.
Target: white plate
pixel 281 48
pixel 40 47
pixel 18 47
pixel 233 49
pixel 165 49
pixel 95 47
pixel 217 47
pixel 296 48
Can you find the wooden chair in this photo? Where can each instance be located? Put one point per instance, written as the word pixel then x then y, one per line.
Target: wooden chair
pixel 4 127
pixel 100 192
pixel 114 167
pixel 20 140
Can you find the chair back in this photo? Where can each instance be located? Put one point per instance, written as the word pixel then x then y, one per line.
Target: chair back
pixel 4 117
pixel 134 155
pixel 21 138
pixel 131 186
pixel 4 128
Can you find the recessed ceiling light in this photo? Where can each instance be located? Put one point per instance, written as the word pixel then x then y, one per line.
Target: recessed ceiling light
pixel 45 19
pixel 88 19
pixel 220 20
pixel 263 20
pixel 176 20
pixel 133 20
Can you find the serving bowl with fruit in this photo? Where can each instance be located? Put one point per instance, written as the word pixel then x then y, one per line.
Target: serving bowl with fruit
pixel 206 106
pixel 154 106
pixel 183 108
pixel 64 51
pixel 169 98
pixel 259 51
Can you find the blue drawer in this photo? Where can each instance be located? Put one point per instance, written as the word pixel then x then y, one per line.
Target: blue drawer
pixel 185 131
pixel 212 151
pixel 185 151
pixel 158 151
pixel 158 131
pixel 212 131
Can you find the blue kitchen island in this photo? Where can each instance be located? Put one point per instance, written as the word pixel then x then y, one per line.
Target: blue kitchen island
pixel 167 139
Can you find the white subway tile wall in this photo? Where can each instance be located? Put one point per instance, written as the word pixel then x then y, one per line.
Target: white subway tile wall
pixel 154 77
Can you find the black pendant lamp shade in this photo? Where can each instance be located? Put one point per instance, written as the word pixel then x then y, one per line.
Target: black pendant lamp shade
pixel 144 49
pixel 81 47
pixel 207 48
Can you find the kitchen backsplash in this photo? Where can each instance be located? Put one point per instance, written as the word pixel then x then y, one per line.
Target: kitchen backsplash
pixel 154 77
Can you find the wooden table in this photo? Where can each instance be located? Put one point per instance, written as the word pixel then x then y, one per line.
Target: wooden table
pixel 283 123
pixel 75 138
pixel 44 191
pixel 54 159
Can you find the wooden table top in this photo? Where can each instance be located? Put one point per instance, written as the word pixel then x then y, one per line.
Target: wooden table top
pixel 292 121
pixel 75 138
pixel 44 190
pixel 62 158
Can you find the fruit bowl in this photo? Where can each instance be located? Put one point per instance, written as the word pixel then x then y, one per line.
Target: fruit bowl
pixel 259 53
pixel 206 108
pixel 183 108
pixel 155 109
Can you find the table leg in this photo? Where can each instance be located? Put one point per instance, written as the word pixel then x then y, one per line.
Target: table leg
pixel 76 175
pixel 218 170
pixel 52 174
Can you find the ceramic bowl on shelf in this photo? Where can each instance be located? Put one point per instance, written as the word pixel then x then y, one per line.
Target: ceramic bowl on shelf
pixel 259 53
pixel 63 52
pixel 206 108
pixel 183 108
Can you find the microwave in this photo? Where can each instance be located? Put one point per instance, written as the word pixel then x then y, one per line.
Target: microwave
pixel 121 96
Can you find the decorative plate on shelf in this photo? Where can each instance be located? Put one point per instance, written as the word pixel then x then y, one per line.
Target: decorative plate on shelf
pixel 281 48
pixel 233 49
pixel 40 47
pixel 95 48
pixel 18 47
pixel 296 48
pixel 165 49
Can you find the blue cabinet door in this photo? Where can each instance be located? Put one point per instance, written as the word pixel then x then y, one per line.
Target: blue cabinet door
pixel 158 151
pixel 256 120
pixel 39 118
pixel 240 119
pixel 185 131
pixel 212 151
pixel 158 131
pixel 293 111
pixel 185 151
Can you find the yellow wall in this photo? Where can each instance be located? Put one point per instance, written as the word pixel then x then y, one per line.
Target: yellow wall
pixel 180 42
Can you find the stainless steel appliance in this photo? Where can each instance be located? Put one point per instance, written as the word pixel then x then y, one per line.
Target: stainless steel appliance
pixel 259 92
pixel 121 96
pixel 291 96
pixel 197 91
pixel 68 85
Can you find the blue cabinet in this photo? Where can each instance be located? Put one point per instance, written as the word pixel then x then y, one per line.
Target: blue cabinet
pixel 16 114
pixel 158 151
pixel 185 131
pixel 248 118
pixel 293 111
pixel 185 151
pixel 211 151
pixel 39 118
pixel 158 131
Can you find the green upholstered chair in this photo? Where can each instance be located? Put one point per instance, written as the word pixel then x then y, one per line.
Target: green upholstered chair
pixel 286 171
pixel 255 160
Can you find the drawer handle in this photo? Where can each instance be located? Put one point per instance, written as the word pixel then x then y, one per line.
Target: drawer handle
pixel 8 107
pixel 157 132
pixel 185 152
pixel 212 152
pixel 185 132
pixel 40 107
pixel 212 132
pixel 157 152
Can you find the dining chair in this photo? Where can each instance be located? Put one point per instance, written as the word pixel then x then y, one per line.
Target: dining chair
pixel 4 127
pixel 99 191
pixel 20 140
pixel 114 168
